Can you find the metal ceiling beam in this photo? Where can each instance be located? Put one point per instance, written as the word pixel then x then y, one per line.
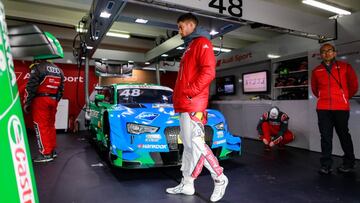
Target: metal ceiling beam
pixel 42 13
pixel 119 55
pixel 259 11
pixel 97 26
pixel 168 45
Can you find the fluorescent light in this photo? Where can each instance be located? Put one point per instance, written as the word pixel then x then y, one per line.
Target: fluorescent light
pixel 83 57
pixel 105 14
pixel 327 7
pixel 130 61
pixel 104 59
pixel 147 63
pixel 214 32
pixel 273 56
pixel 115 34
pixel 151 68
pixel 180 48
pixel 164 55
pixel 142 21
pixel 89 47
pixel 222 49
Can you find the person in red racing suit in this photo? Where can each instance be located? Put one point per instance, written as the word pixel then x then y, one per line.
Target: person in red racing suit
pixel 191 92
pixel 42 94
pixel 273 128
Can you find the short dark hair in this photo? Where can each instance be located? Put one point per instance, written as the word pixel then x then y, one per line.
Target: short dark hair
pixel 188 16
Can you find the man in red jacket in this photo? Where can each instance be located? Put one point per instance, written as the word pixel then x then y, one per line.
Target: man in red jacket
pixel 197 70
pixel 334 83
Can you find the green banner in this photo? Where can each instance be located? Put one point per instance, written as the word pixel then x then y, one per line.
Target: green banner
pixel 17 180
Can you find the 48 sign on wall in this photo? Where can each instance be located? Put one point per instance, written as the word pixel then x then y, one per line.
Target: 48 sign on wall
pixel 233 7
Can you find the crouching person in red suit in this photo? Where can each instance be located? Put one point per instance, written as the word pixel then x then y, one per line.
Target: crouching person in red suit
pixel 273 128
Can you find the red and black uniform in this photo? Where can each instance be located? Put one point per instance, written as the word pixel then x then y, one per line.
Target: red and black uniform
pixel 43 91
pixel 275 130
pixel 334 85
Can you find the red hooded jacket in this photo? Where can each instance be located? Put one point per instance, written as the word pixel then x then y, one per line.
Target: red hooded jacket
pixel 334 90
pixel 197 70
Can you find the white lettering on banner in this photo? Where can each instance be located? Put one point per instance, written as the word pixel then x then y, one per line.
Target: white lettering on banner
pixel 74 79
pixel 66 79
pixel 21 166
pixel 151 146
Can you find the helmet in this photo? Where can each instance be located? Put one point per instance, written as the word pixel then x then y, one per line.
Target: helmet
pixel 274 112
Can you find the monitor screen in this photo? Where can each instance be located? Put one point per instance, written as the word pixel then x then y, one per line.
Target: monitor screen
pixel 255 82
pixel 225 85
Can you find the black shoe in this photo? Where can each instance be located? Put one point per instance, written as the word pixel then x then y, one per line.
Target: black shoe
pixel 54 154
pixel 325 171
pixel 43 158
pixel 345 168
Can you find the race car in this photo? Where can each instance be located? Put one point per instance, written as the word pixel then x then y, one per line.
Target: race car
pixel 137 126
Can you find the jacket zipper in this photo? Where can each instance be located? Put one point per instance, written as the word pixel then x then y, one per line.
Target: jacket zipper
pixel 329 91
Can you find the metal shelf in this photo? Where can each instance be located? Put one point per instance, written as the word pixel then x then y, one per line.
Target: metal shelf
pixel 295 86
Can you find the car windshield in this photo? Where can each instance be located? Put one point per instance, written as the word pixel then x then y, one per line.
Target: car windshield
pixel 139 95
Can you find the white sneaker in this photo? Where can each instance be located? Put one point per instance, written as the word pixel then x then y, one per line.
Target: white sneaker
pixel 220 186
pixel 185 187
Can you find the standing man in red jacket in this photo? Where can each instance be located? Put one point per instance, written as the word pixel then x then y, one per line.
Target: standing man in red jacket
pixel 197 70
pixel 334 83
pixel 43 92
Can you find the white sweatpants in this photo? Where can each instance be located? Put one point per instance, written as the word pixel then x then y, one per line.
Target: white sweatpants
pixel 196 152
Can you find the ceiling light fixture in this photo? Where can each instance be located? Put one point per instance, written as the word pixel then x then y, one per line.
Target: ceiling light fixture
pixel 222 49
pixel 142 21
pixel 164 55
pixel 180 48
pixel 214 32
pixel 326 7
pixel 89 47
pixel 147 63
pixel 120 35
pixel 105 14
pixel 273 56
pixel 130 61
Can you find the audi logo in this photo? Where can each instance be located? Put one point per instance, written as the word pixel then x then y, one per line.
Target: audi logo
pixel 52 69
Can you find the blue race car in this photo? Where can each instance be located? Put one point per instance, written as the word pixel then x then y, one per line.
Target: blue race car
pixel 137 126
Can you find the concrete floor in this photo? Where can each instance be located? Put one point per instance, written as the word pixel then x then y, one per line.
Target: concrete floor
pixel 79 174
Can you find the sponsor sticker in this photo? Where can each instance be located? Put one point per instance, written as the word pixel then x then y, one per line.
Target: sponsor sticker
pixel 220 142
pixel 20 161
pixel 152 146
pixel 152 137
pixel 147 116
pixel 220 134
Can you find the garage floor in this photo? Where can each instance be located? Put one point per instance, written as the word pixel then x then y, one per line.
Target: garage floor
pixel 80 175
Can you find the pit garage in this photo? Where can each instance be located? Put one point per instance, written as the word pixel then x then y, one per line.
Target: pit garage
pixel 117 131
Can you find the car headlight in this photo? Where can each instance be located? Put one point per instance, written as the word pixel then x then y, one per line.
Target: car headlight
pixel 219 126
pixel 134 128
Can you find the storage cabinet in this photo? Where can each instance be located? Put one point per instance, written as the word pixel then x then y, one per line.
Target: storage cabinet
pixel 290 79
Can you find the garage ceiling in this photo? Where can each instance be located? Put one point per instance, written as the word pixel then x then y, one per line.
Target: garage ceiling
pixel 61 16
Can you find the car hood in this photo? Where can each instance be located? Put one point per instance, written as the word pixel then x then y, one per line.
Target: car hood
pixel 147 114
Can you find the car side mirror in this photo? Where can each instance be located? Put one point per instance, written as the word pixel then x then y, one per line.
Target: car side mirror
pixel 99 98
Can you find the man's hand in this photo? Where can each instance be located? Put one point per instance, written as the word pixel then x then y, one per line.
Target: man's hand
pixel 265 141
pixel 276 141
pixel 27 109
